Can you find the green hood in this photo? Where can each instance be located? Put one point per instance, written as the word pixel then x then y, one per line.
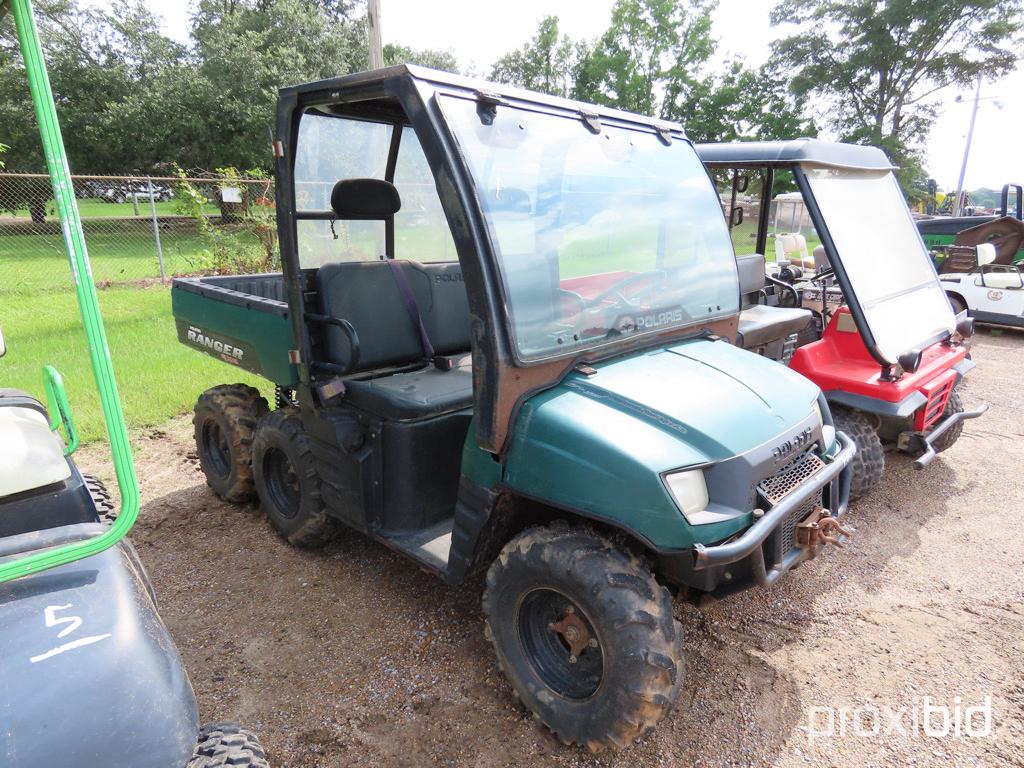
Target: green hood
pixel 600 443
pixel 719 400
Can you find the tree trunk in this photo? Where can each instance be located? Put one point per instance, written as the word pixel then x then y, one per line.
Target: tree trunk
pixel 37 210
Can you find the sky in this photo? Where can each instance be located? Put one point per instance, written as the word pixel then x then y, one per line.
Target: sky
pixel 479 32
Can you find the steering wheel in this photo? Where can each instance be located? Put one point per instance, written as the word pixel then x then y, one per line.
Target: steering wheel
pixel 616 291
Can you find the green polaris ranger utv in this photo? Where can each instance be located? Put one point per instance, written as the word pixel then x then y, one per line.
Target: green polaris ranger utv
pixel 502 339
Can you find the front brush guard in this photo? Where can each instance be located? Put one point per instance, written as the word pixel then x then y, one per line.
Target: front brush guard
pixel 749 544
pixel 927 440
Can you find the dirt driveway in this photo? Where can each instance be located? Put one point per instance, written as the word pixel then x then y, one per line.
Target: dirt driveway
pixel 353 657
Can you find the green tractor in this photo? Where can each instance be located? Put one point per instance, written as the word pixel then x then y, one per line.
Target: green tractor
pixel 502 341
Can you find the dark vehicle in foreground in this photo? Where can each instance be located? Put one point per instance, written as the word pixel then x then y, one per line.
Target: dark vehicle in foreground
pixel 89 671
pixel 870 323
pixel 502 341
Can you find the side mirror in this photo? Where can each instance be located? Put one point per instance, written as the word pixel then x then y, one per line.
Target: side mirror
pixel 986 254
pixel 910 361
pixel 3 347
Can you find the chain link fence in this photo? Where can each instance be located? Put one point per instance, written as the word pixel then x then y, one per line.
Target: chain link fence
pixel 139 229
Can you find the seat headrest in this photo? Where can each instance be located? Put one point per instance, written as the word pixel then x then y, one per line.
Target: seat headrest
pixel 365 199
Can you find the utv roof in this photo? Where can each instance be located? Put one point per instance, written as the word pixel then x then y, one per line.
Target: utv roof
pixel 389 79
pixel 797 151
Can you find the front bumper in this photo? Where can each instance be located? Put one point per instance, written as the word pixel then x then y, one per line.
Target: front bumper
pixel 743 562
pixel 928 439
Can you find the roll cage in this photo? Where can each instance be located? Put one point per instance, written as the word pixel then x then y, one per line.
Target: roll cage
pixel 407 96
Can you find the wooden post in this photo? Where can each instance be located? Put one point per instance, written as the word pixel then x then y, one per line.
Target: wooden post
pixel 373 33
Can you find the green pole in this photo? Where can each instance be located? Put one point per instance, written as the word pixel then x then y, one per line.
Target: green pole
pixel 85 289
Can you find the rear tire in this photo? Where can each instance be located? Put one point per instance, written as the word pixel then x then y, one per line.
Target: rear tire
pixel 869 463
pixel 226 744
pixel 105 509
pixel 953 405
pixel 225 419
pixel 613 665
pixel 287 482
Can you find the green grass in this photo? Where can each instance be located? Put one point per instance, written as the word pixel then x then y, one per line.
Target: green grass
pixel 158 378
pixel 91 208
pixel 33 263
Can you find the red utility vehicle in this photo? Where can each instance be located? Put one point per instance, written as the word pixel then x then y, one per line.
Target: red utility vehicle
pixel 852 300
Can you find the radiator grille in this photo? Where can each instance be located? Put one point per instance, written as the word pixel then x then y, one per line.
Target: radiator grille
pixel 775 488
pixel 778 486
pixel 937 393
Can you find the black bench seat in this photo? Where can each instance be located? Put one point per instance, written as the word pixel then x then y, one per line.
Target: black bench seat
pixel 367 295
pixel 415 394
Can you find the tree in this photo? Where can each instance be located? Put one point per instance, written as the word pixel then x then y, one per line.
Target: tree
pixel 435 59
pixel 245 52
pixel 99 60
pixel 740 103
pixel 877 66
pixel 650 57
pixel 547 63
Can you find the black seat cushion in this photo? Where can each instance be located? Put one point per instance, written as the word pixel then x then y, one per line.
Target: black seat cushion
pixel 365 294
pixel 760 325
pixel 416 394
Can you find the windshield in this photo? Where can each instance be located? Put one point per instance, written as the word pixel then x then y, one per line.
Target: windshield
pixel 884 258
pixel 598 236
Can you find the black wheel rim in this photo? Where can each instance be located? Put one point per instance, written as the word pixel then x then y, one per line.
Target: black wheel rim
pixel 281 483
pixel 216 448
pixel 550 624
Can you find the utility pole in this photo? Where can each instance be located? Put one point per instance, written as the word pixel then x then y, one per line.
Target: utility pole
pixel 373 33
pixel 958 203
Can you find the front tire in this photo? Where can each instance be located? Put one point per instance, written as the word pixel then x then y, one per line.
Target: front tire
pixel 226 744
pixel 225 420
pixel 956 303
pixel 105 509
pixel 869 463
pixel 287 482
pixel 585 635
pixel 953 405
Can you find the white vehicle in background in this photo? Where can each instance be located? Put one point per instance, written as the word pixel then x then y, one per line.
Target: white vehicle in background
pixel 991 293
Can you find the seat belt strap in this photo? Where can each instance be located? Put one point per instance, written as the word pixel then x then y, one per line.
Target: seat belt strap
pixel 409 300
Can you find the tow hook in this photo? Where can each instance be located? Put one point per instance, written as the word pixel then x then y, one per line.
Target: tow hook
pixel 817 530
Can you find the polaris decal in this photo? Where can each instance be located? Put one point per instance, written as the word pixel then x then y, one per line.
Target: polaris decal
pixel 225 349
pixel 658 319
pixel 798 441
pixel 650 320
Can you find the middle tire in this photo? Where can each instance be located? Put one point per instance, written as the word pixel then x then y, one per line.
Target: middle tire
pixel 585 634
pixel 868 464
pixel 286 480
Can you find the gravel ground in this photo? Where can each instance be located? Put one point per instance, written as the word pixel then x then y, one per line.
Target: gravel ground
pixel 353 657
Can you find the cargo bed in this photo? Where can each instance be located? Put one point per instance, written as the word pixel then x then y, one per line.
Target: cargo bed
pixel 239 319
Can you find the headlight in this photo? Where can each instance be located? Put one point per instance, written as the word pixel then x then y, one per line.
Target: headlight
pixel 828 433
pixel 690 493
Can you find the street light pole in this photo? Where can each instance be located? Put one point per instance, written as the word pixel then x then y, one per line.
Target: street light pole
pixel 373 33
pixel 958 203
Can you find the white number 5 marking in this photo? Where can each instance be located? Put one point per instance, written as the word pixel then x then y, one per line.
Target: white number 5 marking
pixel 74 622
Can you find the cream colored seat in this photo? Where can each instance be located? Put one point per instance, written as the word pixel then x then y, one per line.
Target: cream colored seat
pixel 792 247
pixel 31 456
